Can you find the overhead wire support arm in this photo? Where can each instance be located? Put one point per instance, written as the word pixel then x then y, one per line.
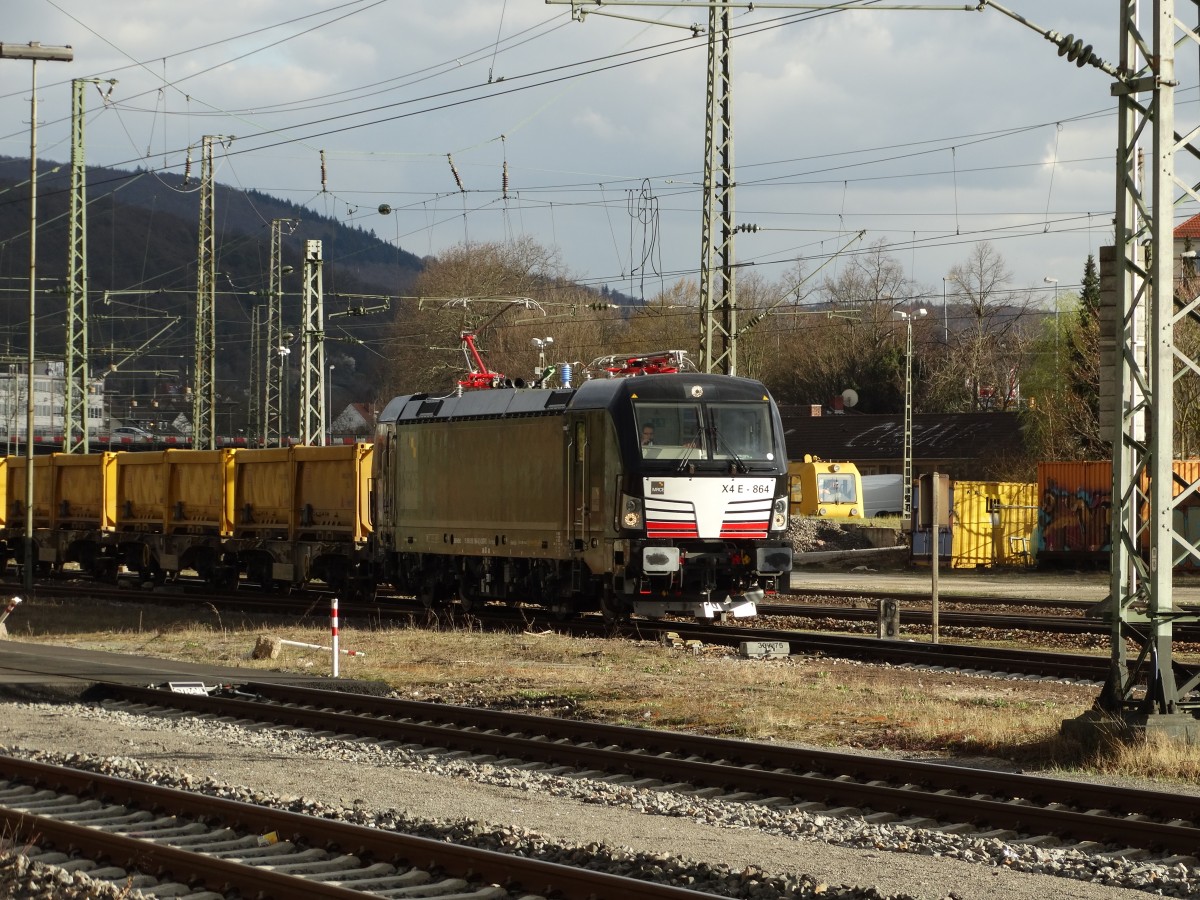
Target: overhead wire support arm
pixel 360 310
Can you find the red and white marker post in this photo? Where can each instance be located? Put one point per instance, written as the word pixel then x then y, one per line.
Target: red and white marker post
pixel 333 616
pixel 334 619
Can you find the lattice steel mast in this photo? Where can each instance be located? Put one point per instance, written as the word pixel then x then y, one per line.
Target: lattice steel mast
pixel 204 390
pixel 718 307
pixel 275 358
pixel 1147 537
pixel 312 365
pixel 75 414
pixel 254 399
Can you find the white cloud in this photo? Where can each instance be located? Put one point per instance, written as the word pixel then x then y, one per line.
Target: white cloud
pixel 888 121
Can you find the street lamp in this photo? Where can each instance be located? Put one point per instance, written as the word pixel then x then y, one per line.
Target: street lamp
pixel 908 317
pixel 1054 281
pixel 945 313
pixel 34 52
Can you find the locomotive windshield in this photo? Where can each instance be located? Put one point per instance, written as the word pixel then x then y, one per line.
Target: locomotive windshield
pixel 705 431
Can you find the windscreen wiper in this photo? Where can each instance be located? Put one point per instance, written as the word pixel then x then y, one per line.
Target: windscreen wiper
pixel 738 465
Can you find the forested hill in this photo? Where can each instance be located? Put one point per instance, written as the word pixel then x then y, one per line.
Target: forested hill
pixel 143 232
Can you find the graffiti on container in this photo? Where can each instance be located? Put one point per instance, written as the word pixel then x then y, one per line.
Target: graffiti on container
pixel 1074 519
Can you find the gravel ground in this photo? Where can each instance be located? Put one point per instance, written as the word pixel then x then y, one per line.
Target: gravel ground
pixel 768 853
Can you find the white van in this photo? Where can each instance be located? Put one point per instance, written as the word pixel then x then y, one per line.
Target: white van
pixel 883 495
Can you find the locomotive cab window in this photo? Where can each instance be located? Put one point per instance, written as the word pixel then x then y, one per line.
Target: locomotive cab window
pixel 668 430
pixel 741 431
pixel 706 431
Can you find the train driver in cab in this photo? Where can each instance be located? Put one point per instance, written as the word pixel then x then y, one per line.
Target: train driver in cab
pixel 647 435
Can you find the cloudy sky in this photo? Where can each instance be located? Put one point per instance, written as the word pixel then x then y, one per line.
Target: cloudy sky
pixel 931 130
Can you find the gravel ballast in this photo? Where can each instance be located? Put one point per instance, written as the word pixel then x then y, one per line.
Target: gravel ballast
pixel 731 849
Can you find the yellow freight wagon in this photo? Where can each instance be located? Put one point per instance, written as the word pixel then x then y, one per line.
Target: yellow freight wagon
pixel 199 491
pixel 43 494
pixel 333 491
pixel 84 491
pixel 141 491
pixel 993 523
pixel 303 514
pixel 264 494
pixel 828 490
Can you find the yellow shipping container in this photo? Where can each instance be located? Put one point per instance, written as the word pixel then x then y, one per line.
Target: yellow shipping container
pixel 43 493
pixel 333 492
pixel 142 491
pixel 84 490
pixel 199 491
pixel 263 493
pixel 993 523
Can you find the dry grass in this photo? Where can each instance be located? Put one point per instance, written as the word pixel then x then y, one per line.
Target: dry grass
pixel 829 703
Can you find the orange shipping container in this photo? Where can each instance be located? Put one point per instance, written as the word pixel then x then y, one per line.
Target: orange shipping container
pixel 1075 508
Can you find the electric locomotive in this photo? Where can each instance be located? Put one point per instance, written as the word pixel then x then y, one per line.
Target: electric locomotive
pixel 655 494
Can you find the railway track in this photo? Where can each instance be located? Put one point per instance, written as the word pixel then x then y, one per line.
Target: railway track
pixel 967 658
pixel 1090 667
pixel 1005 621
pixel 1016 807
pixel 870 598
pixel 212 847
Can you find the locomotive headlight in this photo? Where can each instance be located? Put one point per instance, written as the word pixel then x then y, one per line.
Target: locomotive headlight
pixel 779 514
pixel 631 511
pixel 853 511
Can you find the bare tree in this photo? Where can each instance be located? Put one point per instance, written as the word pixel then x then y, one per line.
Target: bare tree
pixel 981 367
pixel 460 291
pixel 847 336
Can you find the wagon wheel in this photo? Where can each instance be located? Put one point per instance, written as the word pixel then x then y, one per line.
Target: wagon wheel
pixel 428 593
pixel 362 590
pixel 104 568
pixel 151 575
pixel 224 578
pixel 614 609
pixel 469 597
